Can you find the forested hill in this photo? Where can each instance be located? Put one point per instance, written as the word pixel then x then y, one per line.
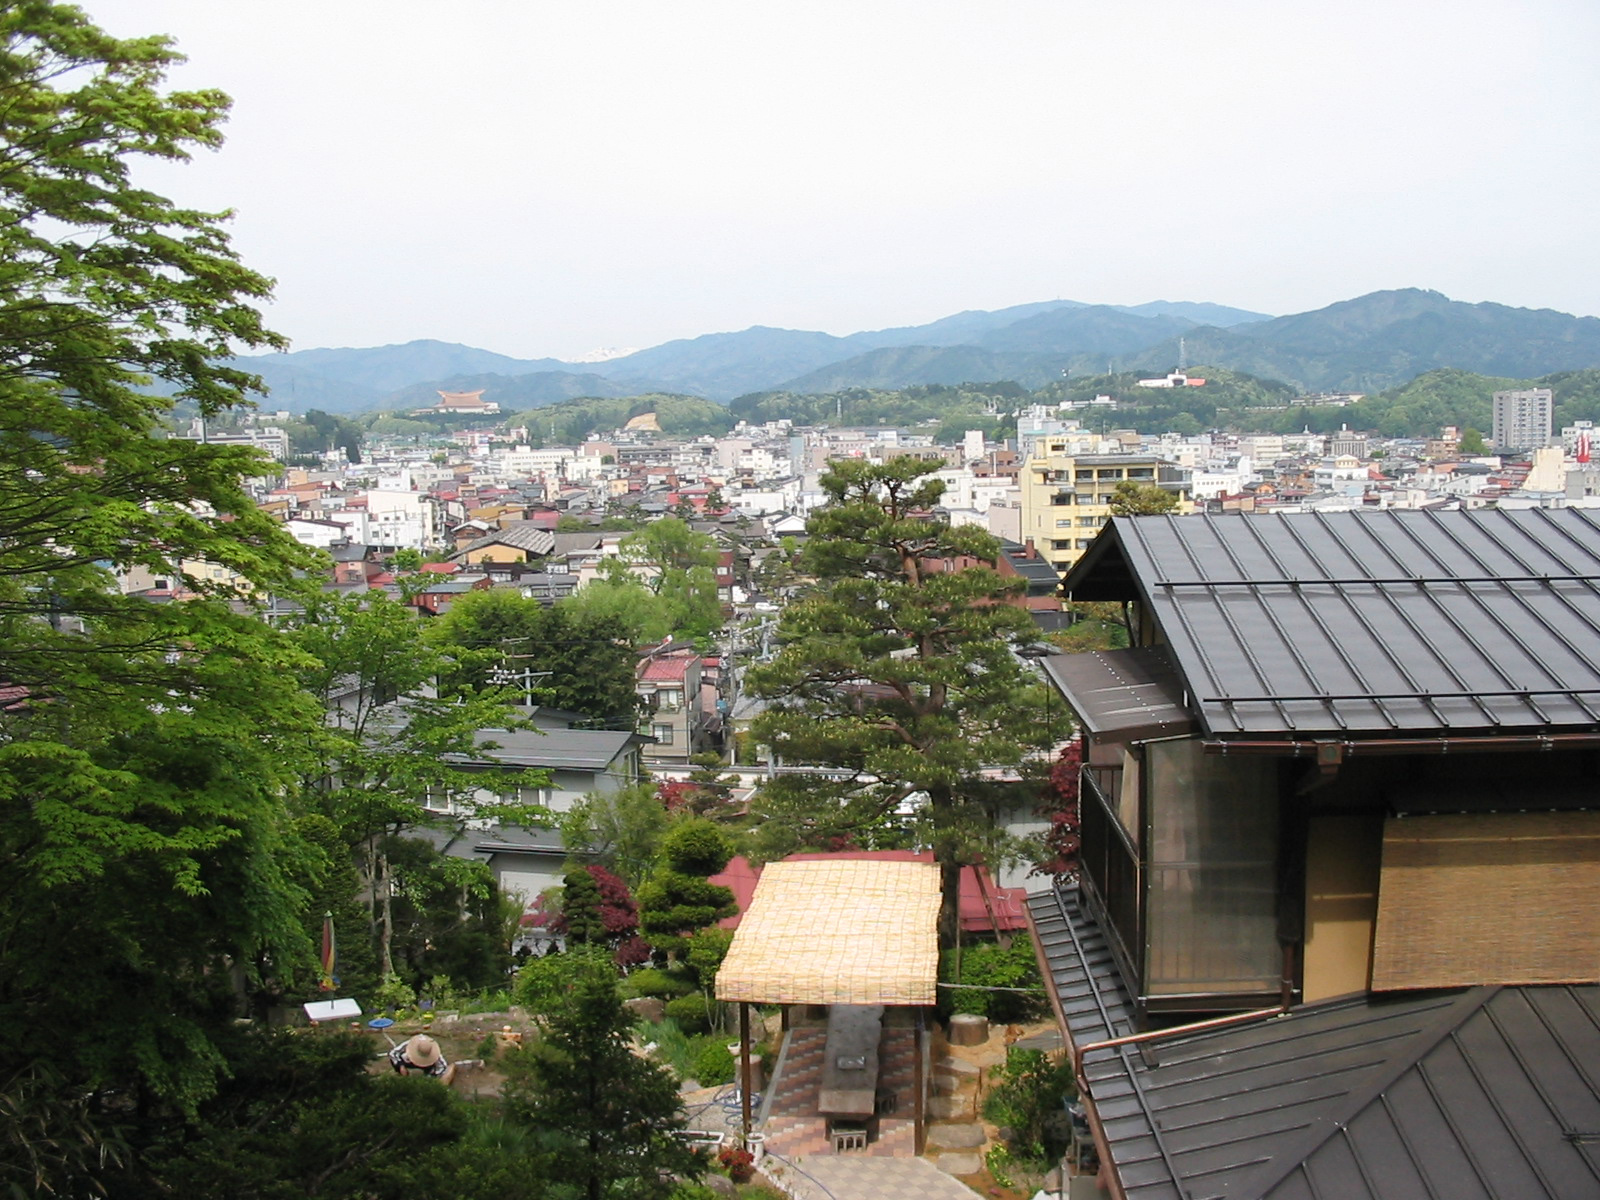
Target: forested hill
pixel 1229 400
pixel 1382 340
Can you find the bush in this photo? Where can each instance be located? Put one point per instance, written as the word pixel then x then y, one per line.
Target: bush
pixel 988 964
pixel 692 1013
pixel 696 847
pixel 650 981
pixel 713 1062
pixel 1027 1098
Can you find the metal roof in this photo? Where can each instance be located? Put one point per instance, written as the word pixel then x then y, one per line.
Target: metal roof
pixel 1358 623
pixel 1123 695
pixel 571 749
pixel 1476 1094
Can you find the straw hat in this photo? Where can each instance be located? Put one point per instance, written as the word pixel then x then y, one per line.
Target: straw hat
pixel 422 1051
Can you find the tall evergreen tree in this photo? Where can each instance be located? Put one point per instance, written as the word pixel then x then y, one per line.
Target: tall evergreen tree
pixel 898 667
pixel 608 1114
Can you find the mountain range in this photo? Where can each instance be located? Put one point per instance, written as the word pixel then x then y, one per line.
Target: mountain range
pixel 1366 344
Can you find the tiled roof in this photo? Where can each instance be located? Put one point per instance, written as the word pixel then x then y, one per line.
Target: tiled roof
pixel 1357 623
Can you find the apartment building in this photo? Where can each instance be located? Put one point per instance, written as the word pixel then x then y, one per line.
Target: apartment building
pixel 1066 497
pixel 1523 418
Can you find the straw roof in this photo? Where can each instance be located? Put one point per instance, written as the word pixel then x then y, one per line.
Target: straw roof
pixel 837 932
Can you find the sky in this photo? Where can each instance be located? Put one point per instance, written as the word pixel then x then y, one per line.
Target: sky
pixel 548 178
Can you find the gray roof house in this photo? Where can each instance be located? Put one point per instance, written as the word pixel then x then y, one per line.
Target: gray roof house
pixel 1335 929
pixel 579 761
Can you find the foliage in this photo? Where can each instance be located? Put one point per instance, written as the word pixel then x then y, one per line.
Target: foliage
pixel 580 907
pixel 584 658
pixel 300 1115
pixel 992 965
pixel 1027 1098
pixel 319 431
pixel 1062 840
pixel 673 905
pixel 696 847
pixel 1472 442
pixel 707 948
pixel 652 981
pixel 678 899
pixel 616 912
pixel 1129 499
pixel 693 1012
pixel 713 1064
pixel 543 984
pixel 608 1114
pixel 677 564
pixel 390 743
pixel 902 673
pixel 620 829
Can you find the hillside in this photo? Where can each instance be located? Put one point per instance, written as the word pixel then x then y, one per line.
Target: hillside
pixel 1381 340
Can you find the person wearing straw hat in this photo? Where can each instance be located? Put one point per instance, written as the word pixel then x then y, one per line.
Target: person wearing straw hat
pixel 420 1055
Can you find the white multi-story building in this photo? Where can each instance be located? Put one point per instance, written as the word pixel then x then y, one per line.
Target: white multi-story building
pixel 1523 418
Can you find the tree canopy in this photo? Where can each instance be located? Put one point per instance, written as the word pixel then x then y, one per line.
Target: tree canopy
pixel 898 669
pixel 145 749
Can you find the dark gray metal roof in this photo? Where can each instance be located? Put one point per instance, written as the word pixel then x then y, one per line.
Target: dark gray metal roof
pixel 1357 623
pixel 1477 1094
pixel 1123 695
pixel 572 749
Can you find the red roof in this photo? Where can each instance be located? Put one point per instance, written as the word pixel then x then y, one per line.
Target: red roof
pixel 665 669
pixel 976 884
pixel 444 568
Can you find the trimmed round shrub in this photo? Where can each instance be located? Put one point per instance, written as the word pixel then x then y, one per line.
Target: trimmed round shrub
pixel 692 1013
pixel 713 1063
pixel 650 981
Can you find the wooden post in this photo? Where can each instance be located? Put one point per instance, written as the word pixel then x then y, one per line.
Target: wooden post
pixel 744 1074
pixel 919 1116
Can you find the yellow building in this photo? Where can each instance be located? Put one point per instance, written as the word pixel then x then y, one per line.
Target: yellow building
pixel 1066 497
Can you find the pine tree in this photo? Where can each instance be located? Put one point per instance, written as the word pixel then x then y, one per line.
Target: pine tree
pixel 608 1114
pixel 898 667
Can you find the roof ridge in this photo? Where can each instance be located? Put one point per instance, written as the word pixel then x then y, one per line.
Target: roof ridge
pixel 1323 1129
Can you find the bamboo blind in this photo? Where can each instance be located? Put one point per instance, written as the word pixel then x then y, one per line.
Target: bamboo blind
pixel 1506 898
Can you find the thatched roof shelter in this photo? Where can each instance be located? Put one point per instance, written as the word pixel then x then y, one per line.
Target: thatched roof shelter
pixel 837 932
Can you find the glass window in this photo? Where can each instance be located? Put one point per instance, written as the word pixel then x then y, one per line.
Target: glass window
pixel 1211 908
pixel 662 734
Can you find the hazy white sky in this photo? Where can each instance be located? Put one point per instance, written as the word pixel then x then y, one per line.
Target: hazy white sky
pixel 545 178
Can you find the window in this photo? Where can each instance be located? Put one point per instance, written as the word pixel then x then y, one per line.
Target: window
pixel 1111 473
pixel 1064 523
pixel 662 734
pixel 669 700
pixel 1061 544
pixel 1060 498
pixel 436 799
pixel 1091 522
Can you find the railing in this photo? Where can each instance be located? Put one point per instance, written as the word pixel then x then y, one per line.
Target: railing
pixel 1110 871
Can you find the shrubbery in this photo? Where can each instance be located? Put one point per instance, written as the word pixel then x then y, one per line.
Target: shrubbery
pixel 692 1013
pixel 991 965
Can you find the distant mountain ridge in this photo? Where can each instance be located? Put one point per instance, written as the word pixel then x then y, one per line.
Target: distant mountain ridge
pixel 1367 344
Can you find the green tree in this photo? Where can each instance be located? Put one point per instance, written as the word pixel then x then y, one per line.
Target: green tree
pixel 678 564
pixel 678 898
pixel 391 742
pixel 1133 499
pixel 621 830
pixel 145 749
pixel 900 671
pixel 1472 442
pixel 580 906
pixel 576 657
pixel 608 1114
